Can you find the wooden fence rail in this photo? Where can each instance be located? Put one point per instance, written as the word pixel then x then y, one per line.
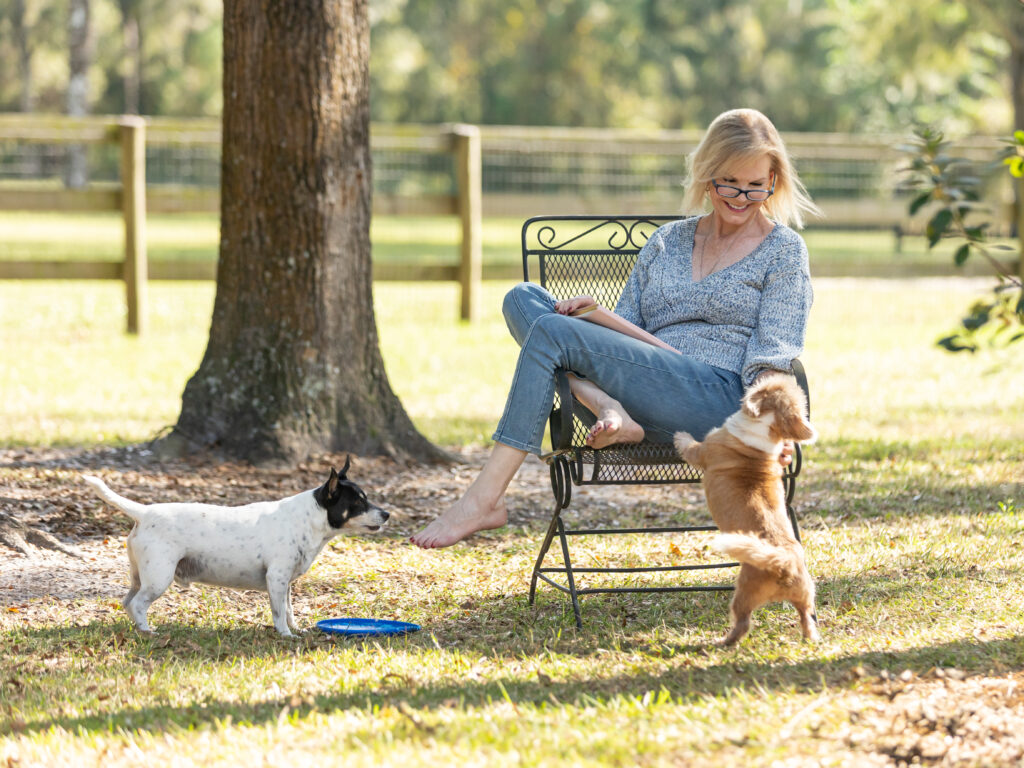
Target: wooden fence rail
pixel 132 197
pixel 467 146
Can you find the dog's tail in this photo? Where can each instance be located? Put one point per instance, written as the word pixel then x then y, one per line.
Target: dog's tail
pixel 131 508
pixel 782 562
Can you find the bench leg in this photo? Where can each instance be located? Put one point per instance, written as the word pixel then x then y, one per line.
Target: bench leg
pixel 545 545
pixel 561 486
pixel 789 484
pixel 568 574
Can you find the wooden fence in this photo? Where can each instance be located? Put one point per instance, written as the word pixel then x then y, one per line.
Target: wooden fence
pixel 586 187
pixel 132 197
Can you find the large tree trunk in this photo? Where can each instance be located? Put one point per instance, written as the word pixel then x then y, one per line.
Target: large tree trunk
pixel 80 57
pixel 293 365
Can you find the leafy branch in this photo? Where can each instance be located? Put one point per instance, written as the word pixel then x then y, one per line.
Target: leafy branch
pixel 946 185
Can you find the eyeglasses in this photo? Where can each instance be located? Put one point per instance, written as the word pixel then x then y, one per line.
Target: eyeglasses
pixel 753 195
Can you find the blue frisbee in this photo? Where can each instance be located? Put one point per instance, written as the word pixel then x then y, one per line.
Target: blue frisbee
pixel 366 627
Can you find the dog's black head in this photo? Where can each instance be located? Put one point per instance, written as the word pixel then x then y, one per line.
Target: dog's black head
pixel 346 504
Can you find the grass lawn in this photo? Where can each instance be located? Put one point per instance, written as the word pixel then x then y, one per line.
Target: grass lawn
pixel 912 507
pixel 414 240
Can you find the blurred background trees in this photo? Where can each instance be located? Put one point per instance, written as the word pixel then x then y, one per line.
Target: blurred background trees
pixel 813 65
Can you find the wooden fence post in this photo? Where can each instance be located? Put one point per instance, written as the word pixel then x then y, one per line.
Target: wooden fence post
pixel 133 206
pixel 468 172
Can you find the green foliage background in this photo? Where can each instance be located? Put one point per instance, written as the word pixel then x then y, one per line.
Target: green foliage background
pixel 812 65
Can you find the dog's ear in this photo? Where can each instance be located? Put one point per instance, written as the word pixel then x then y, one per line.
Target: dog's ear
pixel 793 425
pixel 751 403
pixel 791 415
pixel 344 470
pixel 325 493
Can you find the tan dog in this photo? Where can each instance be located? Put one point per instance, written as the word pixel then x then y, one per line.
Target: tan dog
pixel 742 483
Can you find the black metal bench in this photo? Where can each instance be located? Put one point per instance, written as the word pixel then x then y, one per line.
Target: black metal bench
pixel 594 255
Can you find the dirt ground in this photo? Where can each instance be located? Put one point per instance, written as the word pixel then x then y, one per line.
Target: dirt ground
pixel 58 542
pixel 58 539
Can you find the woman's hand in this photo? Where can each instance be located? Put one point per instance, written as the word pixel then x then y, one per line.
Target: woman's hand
pixel 568 306
pixel 786 457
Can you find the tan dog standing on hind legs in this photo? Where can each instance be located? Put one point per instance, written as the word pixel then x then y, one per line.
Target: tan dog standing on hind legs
pixel 743 487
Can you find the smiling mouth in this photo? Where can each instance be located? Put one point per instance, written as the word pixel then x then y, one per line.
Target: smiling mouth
pixel 737 208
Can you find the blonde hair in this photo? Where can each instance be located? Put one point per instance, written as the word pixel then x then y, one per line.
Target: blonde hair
pixel 746 134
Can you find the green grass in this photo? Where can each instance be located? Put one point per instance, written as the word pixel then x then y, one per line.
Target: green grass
pixel 911 508
pixel 870 353
pixel 413 240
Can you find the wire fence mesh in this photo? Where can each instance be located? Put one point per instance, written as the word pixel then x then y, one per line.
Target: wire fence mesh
pixel 519 162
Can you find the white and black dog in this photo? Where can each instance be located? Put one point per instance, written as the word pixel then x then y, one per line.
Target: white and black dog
pixel 266 545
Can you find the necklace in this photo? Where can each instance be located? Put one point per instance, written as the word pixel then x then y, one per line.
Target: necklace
pixel 729 242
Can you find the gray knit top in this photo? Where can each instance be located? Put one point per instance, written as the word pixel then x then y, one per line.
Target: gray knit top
pixel 745 318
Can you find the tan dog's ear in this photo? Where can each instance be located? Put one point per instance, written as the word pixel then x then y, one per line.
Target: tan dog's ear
pixel 753 403
pixel 791 415
pixel 792 425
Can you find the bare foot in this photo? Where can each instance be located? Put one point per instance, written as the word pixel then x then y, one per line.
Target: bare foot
pixel 459 521
pixel 614 427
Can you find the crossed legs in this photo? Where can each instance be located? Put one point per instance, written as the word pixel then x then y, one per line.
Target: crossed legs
pixel 648 380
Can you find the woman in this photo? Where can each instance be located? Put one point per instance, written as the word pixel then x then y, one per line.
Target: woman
pixel 729 291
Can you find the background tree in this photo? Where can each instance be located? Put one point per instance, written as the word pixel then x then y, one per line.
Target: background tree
pixel 293 364
pixel 944 186
pixel 80 43
pixel 814 65
pixel 19 35
pixel 132 62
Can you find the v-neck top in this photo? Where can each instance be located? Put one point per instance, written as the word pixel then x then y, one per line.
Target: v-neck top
pixel 746 317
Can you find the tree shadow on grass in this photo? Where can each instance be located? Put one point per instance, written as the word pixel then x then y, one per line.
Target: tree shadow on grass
pixel 505 625
pixel 683 681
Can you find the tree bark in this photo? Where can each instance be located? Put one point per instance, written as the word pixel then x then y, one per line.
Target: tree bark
pixel 293 366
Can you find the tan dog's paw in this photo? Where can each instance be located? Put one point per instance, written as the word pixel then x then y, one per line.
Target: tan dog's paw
pixel 688 448
pixel 683 440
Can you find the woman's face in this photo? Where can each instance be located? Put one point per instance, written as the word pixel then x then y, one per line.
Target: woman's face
pixel 746 174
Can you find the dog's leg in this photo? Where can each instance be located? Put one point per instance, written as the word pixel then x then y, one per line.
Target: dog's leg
pixel 278 584
pixel 740 612
pixel 809 624
pixel 804 604
pixel 136 582
pixel 154 579
pixel 748 598
pixel 289 614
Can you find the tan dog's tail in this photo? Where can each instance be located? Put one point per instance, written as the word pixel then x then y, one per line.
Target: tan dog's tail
pixel 131 508
pixel 781 562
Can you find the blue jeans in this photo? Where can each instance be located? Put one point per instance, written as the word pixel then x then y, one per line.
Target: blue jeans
pixel 662 391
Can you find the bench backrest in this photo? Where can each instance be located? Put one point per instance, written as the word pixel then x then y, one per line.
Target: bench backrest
pixel 585 255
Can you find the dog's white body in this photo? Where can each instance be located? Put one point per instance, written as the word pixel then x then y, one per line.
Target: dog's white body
pixel 265 546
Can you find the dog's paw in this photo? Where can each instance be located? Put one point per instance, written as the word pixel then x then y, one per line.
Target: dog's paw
pixel 683 440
